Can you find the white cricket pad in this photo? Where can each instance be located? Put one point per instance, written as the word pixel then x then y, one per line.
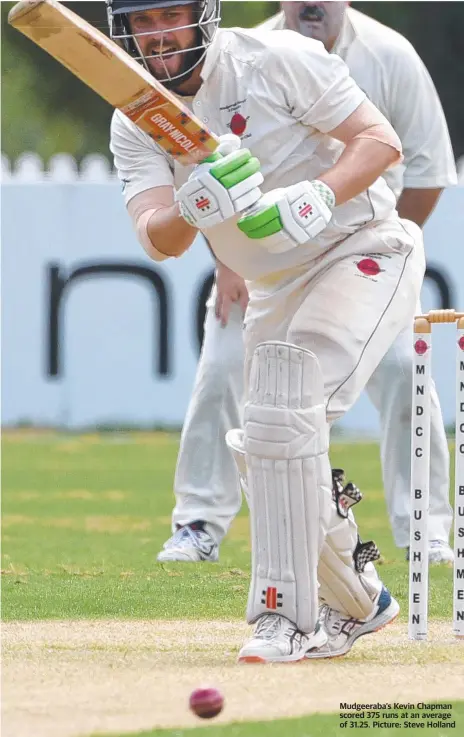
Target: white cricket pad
pixel 286 439
pixel 348 579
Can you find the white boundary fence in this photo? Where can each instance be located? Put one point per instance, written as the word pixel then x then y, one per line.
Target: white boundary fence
pixel 29 168
pixel 94 333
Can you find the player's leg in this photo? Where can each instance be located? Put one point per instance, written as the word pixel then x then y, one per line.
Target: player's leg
pixel 390 391
pixel 341 328
pixel 285 441
pixel 305 543
pixel 206 483
pixel 286 512
pixel 350 319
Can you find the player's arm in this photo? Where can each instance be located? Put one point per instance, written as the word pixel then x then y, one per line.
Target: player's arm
pixel 165 221
pixel 415 111
pixel 322 96
pixel 418 204
pixel 147 179
pixel 160 228
pixel 372 147
pixel 231 289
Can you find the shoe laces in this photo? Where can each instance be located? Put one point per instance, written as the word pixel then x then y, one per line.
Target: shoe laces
pixel 334 621
pixel 184 536
pixel 268 626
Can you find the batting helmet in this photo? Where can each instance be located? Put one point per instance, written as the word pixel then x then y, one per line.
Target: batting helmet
pixel 206 24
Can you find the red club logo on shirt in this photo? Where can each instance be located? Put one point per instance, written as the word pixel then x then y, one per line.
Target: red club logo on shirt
pixel 421 347
pixel 369 267
pixel 461 343
pixel 238 124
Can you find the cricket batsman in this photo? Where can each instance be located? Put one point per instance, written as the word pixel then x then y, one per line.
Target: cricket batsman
pixel 299 210
pixel 206 487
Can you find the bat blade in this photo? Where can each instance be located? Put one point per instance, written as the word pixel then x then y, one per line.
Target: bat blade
pixel 107 69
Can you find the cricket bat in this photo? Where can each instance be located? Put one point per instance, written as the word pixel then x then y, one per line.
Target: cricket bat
pixel 107 69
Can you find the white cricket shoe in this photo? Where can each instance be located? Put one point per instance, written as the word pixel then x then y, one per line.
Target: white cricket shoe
pixel 189 544
pixel 440 552
pixel 277 640
pixel 343 631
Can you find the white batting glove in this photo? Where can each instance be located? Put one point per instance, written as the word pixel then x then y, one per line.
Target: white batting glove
pixel 225 184
pixel 286 218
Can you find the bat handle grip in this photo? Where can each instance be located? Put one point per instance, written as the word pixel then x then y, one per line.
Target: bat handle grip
pixel 253 204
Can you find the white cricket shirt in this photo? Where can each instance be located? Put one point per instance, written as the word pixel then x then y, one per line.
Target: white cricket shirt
pixel 282 93
pixel 391 73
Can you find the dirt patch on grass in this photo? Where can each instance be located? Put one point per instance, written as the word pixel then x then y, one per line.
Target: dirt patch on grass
pixel 67 679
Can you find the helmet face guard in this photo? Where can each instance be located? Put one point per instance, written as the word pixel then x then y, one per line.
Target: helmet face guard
pixel 206 24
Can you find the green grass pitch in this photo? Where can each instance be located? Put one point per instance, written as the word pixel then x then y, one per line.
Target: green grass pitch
pixel 85 515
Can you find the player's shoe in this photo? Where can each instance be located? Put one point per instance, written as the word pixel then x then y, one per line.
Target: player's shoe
pixel 439 553
pixel 343 631
pixel 277 640
pixel 189 544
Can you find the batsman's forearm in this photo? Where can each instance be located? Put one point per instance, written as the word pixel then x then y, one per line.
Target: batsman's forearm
pixel 417 204
pixel 362 162
pixel 169 233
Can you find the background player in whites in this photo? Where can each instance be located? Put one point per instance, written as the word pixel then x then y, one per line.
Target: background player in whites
pixel 388 69
pixel 316 324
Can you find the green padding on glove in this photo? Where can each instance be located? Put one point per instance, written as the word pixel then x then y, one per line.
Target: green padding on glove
pixel 239 175
pixel 222 168
pixel 262 224
pixel 212 158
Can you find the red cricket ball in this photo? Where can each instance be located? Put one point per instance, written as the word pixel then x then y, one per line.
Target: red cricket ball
pixel 206 702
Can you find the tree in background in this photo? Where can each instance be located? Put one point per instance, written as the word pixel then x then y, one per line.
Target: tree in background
pixel 47 110
pixel 435 29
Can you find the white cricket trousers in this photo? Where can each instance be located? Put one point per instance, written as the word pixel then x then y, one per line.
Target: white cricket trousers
pixel 206 483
